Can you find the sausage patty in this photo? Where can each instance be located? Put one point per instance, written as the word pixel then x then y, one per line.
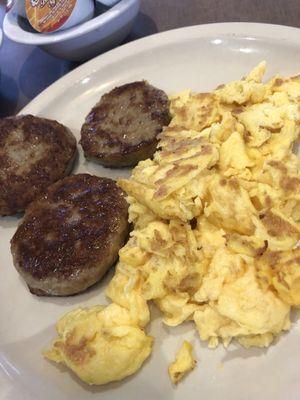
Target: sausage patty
pixel 71 235
pixel 122 128
pixel 34 153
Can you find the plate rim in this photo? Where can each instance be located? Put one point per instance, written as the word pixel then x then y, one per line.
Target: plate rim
pixel 281 33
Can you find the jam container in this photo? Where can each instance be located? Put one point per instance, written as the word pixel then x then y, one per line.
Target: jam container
pixel 53 15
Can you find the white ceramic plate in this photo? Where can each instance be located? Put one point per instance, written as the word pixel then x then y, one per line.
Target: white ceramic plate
pixel 199 58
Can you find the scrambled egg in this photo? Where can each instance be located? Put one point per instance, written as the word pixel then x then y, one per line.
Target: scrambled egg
pixel 184 362
pixel 216 217
pixel 100 344
pixel 216 214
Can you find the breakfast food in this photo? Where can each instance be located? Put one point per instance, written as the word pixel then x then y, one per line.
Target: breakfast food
pixel 70 236
pixel 216 216
pixel 122 128
pixel 213 212
pixel 34 153
pixel 101 344
pixel 184 362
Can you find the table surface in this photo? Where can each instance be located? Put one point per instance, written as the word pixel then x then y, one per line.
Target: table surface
pixel 26 70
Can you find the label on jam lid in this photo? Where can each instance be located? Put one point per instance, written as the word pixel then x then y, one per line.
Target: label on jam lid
pixel 48 15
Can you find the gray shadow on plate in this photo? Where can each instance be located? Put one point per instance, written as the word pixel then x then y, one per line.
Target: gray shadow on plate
pixel 75 165
pixel 241 352
pixel 253 352
pixel 296 148
pixel 180 330
pixel 95 168
pixel 295 315
pixel 11 221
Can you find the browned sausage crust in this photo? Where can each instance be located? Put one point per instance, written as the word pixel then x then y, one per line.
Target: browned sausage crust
pixel 122 128
pixel 71 235
pixel 34 153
